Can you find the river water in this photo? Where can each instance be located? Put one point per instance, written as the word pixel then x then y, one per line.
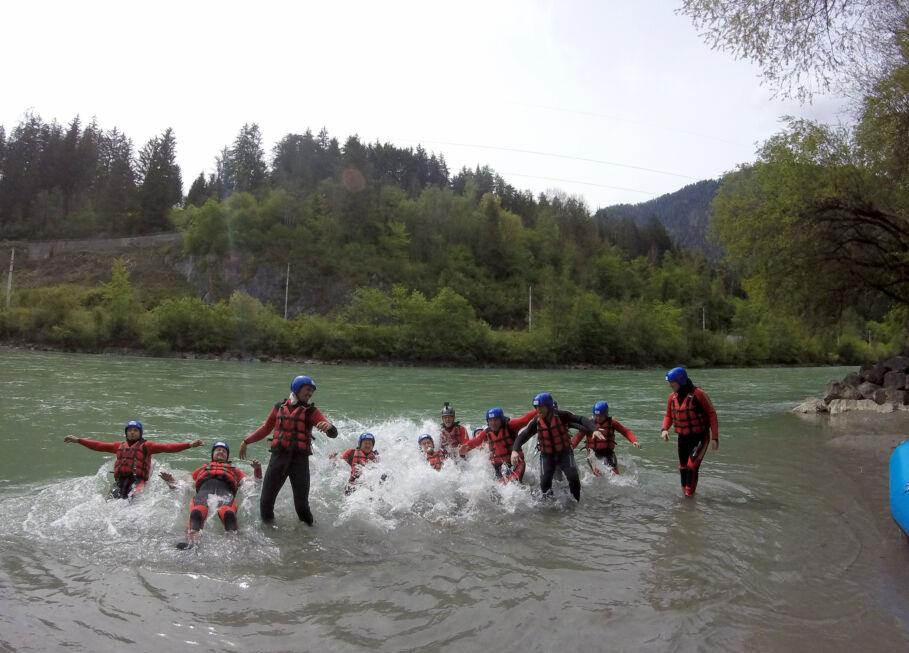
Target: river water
pixel 787 545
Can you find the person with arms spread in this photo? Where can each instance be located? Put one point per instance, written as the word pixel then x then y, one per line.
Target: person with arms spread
pixel 132 466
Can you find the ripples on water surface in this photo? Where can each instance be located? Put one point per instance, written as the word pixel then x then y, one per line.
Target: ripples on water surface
pixel 786 547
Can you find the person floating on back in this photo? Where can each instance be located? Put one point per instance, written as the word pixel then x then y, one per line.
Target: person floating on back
pixel 217 478
pixel 132 466
pixel 292 420
pixel 551 428
pixel 691 412
pixel 452 435
pixel 435 457
pixel 600 443
pixel 499 435
pixel 364 454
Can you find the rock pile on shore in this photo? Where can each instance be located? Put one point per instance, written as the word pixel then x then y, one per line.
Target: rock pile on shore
pixel 880 388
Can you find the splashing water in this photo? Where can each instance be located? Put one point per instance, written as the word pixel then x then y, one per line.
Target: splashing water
pixel 399 490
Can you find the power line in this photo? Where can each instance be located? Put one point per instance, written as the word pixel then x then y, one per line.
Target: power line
pixel 549 154
pixel 628 120
pixel 575 181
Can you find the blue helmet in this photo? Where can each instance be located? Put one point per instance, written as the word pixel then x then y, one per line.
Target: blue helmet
pixel 425 436
pixel 366 436
pixel 476 431
pixel 601 408
pixel 222 445
pixel 544 399
pixel 299 382
pixel 133 424
pixel 678 375
pixel 492 413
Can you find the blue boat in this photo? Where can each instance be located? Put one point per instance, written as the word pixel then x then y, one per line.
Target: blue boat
pixel 899 486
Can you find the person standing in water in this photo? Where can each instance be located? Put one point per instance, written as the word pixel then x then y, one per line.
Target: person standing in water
pixel 690 411
pixel 499 435
pixel 292 420
pixel 132 466
pixel 452 435
pixel 217 478
pixel 601 441
pixel 551 428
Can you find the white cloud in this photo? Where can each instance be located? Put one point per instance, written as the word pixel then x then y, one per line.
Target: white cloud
pixel 628 82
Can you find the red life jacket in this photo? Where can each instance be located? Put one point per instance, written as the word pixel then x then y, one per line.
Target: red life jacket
pixel 607 430
pixel 132 461
pixel 293 428
pixel 357 460
pixel 223 471
pixel 500 443
pixel 687 416
pixel 552 435
pixel 453 437
pixel 436 458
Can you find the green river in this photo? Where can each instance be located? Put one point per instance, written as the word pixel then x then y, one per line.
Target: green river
pixel 787 546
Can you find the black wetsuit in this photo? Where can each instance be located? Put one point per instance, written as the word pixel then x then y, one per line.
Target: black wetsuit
pixel 608 456
pixel 505 471
pixel 124 485
pixel 281 466
pixel 226 498
pixel 690 450
pixel 562 460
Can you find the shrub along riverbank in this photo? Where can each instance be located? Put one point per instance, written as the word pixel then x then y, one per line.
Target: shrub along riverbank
pixel 406 326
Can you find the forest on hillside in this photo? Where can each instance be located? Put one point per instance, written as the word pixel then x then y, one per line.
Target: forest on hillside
pixel 430 266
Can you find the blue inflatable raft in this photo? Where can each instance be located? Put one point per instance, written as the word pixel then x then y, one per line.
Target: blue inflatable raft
pixel 899 486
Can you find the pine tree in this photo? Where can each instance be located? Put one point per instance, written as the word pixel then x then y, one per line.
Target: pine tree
pixel 248 157
pixel 199 192
pixel 162 185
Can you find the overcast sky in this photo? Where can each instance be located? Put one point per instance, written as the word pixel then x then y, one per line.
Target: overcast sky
pixel 624 82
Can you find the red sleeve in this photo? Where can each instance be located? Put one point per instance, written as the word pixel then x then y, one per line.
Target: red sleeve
pixel 97 445
pixel 628 433
pixel 317 416
pixel 473 443
pixel 347 456
pixel 463 437
pixel 517 423
pixel 710 411
pixel 267 427
pixel 166 447
pixel 667 418
pixel 576 440
pixel 197 473
pixel 240 474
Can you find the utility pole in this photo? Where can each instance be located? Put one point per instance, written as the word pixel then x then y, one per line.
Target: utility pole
pixel 9 277
pixel 530 308
pixel 286 288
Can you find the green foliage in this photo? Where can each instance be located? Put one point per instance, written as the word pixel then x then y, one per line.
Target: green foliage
pixel 121 318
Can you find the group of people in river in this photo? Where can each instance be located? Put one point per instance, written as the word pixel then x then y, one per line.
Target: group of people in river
pixel 291 422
